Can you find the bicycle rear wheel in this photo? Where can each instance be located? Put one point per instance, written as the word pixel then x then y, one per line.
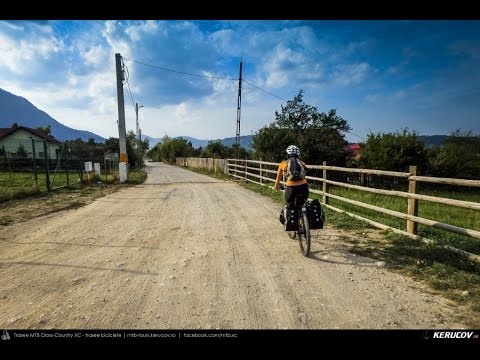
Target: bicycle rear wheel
pixel 304 234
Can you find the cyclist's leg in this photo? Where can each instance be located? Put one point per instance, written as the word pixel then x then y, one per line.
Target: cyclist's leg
pixel 303 190
pixel 289 196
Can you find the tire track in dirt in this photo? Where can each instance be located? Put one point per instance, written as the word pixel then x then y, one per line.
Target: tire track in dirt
pixel 185 251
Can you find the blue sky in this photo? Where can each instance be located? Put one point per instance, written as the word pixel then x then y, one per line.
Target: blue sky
pixel 381 76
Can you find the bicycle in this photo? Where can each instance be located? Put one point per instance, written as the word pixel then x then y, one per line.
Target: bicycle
pixel 303 225
pixel 301 205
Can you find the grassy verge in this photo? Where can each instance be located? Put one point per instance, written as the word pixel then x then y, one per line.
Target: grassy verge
pixel 23 185
pixel 39 203
pixel 19 210
pixel 449 273
pixel 136 176
pixel 466 218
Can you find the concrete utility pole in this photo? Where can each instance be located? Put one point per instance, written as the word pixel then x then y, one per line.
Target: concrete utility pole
pixel 123 160
pixel 239 106
pixel 139 133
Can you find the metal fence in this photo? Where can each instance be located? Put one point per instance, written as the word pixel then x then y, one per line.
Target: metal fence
pixel 30 166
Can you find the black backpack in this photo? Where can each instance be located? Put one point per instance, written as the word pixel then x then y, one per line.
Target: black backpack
pixel 295 170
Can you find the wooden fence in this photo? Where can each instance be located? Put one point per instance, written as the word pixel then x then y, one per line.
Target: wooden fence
pixel 264 173
pixel 210 164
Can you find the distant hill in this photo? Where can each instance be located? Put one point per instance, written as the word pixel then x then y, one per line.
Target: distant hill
pixel 433 140
pixel 152 141
pixel 429 140
pixel 245 141
pixel 16 109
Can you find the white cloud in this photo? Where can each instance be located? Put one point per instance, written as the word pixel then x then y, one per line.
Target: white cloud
pixel 351 74
pixel 73 77
pixel 25 55
pixel 96 55
pixel 135 32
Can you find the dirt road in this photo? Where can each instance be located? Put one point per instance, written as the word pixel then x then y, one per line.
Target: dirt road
pixel 186 251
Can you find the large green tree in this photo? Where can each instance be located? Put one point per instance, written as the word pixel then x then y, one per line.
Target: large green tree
pixel 458 157
pixel 319 135
pixel 394 151
pixel 168 149
pixel 92 151
pixel 215 149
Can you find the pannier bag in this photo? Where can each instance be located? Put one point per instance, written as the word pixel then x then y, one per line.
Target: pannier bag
pixel 316 216
pixel 291 219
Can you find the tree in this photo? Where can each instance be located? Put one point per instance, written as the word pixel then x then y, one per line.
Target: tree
pixel 269 143
pixel 394 151
pixel 46 129
pixel 21 153
pixel 14 125
pixel 215 149
pixel 458 157
pixel 168 149
pixel 319 135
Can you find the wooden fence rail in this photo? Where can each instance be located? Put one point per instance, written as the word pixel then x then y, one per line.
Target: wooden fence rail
pixel 266 173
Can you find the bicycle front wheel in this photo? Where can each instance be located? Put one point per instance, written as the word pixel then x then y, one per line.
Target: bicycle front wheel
pixel 304 235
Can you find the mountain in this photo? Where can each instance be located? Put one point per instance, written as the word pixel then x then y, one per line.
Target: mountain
pixel 152 141
pixel 245 141
pixel 433 140
pixel 16 109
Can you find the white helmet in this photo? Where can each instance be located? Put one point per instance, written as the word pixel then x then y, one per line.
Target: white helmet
pixel 293 150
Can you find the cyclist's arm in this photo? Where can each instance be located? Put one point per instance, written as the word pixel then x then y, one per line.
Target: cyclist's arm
pixel 279 176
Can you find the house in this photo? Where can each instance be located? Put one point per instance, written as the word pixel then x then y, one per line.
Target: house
pixel 355 149
pixel 13 139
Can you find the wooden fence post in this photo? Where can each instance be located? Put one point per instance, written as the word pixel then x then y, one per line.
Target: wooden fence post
pixel 261 173
pixel 246 170
pixel 412 203
pixel 325 185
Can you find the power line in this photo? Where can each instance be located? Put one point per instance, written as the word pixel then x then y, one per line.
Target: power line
pixel 268 92
pixel 203 76
pixel 361 137
pixel 181 72
pixel 130 93
pixel 127 77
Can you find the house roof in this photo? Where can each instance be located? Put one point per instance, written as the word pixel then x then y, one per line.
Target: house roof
pixel 4 132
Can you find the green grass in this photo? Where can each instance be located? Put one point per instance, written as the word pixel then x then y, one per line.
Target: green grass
pixel 466 218
pixel 136 176
pixel 18 185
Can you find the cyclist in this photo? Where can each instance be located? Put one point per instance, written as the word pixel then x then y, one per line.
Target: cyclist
pixel 294 169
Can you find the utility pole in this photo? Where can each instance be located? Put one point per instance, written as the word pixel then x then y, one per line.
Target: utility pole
pixel 239 106
pixel 139 133
pixel 123 160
